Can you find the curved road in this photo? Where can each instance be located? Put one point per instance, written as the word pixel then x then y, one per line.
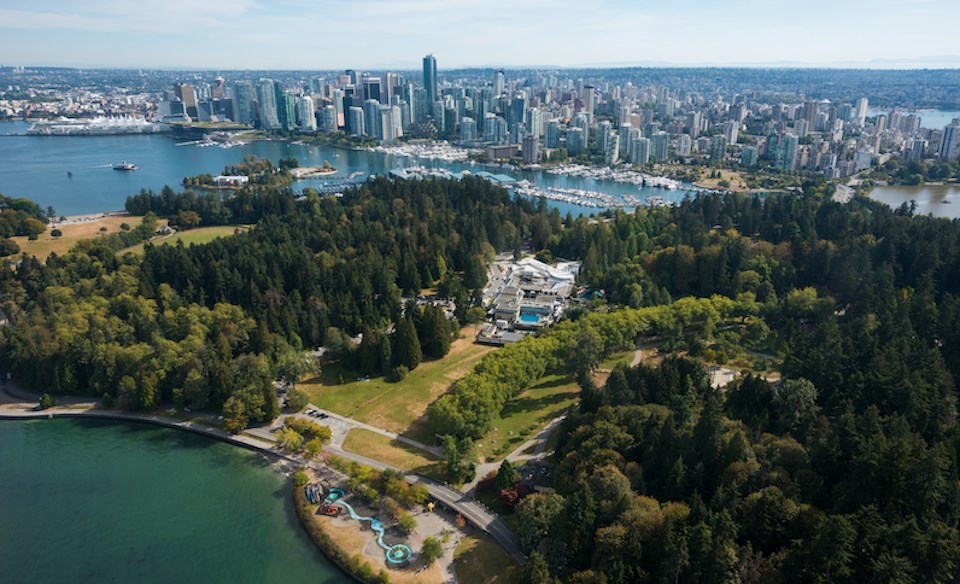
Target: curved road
pixel 467 506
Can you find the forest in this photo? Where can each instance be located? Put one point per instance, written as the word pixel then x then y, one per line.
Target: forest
pixel 211 326
pixel 844 468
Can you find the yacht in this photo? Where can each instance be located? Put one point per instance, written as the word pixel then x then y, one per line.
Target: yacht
pixel 125 166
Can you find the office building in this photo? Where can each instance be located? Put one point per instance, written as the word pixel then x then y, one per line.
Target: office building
pixel 188 95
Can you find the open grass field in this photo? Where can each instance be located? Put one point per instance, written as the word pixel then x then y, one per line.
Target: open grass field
pixel 393 452
pixel 46 244
pixel 399 407
pixel 193 236
pixel 527 414
pixel 477 560
pixel 737 182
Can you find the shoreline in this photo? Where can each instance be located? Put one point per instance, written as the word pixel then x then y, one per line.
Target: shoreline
pixel 17 402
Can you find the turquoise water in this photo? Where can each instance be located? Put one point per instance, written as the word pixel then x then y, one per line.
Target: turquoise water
pixel 529 318
pixel 36 167
pixel 96 501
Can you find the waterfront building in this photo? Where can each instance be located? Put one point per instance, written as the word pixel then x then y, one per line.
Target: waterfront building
pixel 286 108
pixel 267 101
pixel 355 121
pixel 749 156
pixel 659 147
pixel 490 127
pixel 611 155
pixel 371 119
pixel 627 134
pixel 531 149
pixel 328 119
pixel 950 142
pixel 468 130
pixel 306 114
pixel 552 134
pixel 640 151
pixel 575 143
pixel 391 128
pixel 684 145
pixel 243 102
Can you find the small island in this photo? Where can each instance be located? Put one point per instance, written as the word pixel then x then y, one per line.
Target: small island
pixel 260 172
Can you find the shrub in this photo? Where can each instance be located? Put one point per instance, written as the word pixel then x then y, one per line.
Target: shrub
pixel 300 479
pixel 56 233
pixel 398 373
pixel 431 551
pixel 46 401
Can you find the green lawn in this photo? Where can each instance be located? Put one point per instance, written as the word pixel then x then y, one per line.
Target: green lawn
pixel 192 236
pixel 393 452
pixel 625 357
pixel 527 414
pixel 477 560
pixel 399 407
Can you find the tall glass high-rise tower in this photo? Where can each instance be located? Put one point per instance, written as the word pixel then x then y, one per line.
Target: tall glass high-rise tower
pixel 430 77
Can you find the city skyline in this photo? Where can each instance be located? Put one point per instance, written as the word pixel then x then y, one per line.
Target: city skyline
pixel 394 35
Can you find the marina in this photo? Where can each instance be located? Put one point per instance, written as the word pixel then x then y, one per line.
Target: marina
pixel 26 163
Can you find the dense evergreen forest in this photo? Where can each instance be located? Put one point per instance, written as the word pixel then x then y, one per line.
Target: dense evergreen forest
pixel 844 470
pixel 211 325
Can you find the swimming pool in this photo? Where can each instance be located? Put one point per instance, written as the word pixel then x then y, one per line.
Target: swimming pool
pixel 529 318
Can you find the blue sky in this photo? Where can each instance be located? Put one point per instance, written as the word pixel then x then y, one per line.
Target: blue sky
pixel 336 34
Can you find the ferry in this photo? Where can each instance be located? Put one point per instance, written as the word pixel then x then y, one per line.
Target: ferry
pixel 125 166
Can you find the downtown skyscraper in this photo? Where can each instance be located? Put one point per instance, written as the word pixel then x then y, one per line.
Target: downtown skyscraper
pixel 430 77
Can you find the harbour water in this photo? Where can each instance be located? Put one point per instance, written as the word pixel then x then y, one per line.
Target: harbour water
pixel 36 167
pixel 936 200
pixel 97 501
pixel 933 119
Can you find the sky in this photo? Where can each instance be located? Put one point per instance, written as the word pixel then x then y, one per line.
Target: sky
pixel 395 34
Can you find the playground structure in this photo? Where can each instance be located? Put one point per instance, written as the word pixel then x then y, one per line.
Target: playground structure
pixel 397 555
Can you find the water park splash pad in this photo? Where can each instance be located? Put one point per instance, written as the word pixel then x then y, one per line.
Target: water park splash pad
pixel 396 554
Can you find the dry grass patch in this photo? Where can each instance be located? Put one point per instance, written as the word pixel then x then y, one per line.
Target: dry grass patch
pixel 45 244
